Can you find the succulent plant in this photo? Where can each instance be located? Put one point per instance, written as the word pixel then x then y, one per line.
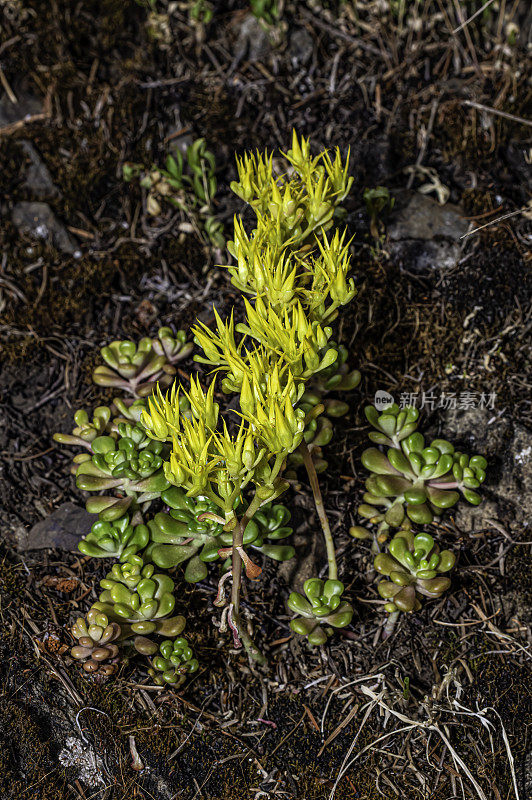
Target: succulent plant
pixel 392 425
pixel 115 421
pixel 102 633
pixel 189 186
pixel 181 536
pixel 175 662
pixel 282 363
pixel 416 569
pixel 173 348
pixel 298 203
pixel 116 539
pixel 97 643
pixel 141 601
pixel 133 468
pixel 137 368
pixel 133 456
pixel 121 457
pixel 322 605
pixel 413 481
pixel 86 429
pixel 135 593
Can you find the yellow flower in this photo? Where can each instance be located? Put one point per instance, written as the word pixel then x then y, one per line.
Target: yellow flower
pixel 162 419
pixel 217 345
pixel 202 405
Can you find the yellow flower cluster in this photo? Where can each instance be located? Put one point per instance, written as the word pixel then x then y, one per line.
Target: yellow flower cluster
pixel 218 464
pixel 298 279
pixel 288 256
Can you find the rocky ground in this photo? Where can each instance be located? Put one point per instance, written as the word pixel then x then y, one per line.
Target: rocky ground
pixel 434 112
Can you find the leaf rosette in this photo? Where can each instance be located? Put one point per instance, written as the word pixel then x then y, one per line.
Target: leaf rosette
pixel 141 600
pixel 413 482
pixel 321 605
pixel 121 465
pixel 173 663
pixel 116 539
pixel 191 533
pixel 416 568
pixel 137 368
pixel 97 645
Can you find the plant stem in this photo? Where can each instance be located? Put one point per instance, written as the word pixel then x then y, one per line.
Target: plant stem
pixel 320 508
pixel 390 624
pixel 238 540
pixel 251 648
pixel 238 536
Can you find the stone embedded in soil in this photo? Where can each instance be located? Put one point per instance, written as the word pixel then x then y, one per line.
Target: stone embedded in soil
pixel 27 106
pixel 425 235
pixel 39 221
pixel 38 180
pixel 301 47
pixel 179 144
pixel 252 42
pixel 507 493
pixel 84 760
pixel 63 529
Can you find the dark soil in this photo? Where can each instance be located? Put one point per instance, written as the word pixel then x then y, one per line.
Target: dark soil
pixel 395 89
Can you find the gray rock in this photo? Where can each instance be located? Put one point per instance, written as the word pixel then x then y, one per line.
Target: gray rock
pixel 301 47
pixel 85 761
pixel 180 144
pixel 10 112
pixel 252 42
pixel 418 256
pixel 63 529
pixel 39 221
pixel 507 496
pixel 38 179
pixel 424 235
pixel 477 429
pixel 310 552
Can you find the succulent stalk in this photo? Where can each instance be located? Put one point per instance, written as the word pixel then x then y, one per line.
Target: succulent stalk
pixel 171 445
pixel 320 508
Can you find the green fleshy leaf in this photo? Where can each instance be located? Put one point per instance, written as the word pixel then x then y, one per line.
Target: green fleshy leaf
pixel 393 485
pixel 167 556
pixel 405 599
pixel 195 570
pixel 398 460
pixel 442 498
pixel 317 637
pixel 443 446
pixel 421 514
pixel 298 604
pixel 377 462
pixel 303 626
pixel 395 515
pixel 278 552
pixel 447 561
pixel 478 463
pixel 415 496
